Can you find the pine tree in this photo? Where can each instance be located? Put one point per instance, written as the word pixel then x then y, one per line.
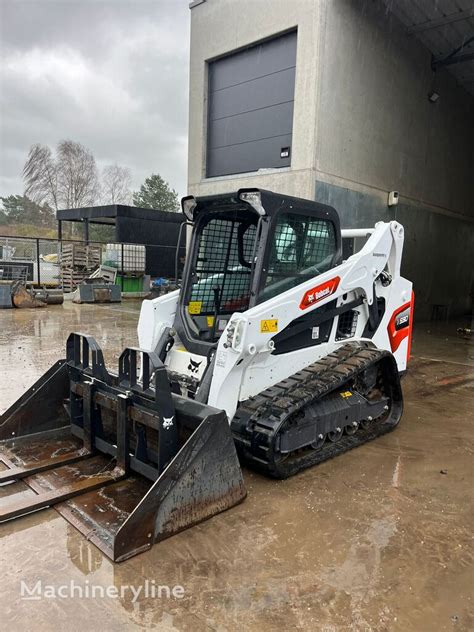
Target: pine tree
pixel 19 209
pixel 156 193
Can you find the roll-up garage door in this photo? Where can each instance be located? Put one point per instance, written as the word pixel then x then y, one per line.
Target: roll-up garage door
pixel 250 118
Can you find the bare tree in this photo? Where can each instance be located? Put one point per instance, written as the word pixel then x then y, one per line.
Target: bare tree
pixel 116 182
pixel 40 174
pixel 69 180
pixel 78 181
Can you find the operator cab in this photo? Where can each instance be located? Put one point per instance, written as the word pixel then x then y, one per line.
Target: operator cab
pixel 246 248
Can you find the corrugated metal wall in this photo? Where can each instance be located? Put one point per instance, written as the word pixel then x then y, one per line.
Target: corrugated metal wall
pixel 250 119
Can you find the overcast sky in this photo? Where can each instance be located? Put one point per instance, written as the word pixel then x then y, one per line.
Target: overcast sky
pixel 111 74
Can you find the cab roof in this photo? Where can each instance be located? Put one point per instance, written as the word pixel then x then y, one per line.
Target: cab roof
pixel 271 202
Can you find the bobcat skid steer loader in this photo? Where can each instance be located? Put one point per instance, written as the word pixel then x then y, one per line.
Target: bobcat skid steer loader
pixel 275 348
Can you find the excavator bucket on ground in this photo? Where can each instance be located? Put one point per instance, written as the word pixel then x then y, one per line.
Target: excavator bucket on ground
pixel 24 298
pixel 121 457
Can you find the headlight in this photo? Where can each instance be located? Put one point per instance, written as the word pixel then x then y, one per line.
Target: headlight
pixel 252 197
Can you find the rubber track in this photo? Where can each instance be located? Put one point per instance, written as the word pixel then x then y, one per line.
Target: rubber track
pixel 259 420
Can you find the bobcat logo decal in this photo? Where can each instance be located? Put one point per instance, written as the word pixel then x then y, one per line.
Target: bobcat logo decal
pixel 194 366
pixel 167 422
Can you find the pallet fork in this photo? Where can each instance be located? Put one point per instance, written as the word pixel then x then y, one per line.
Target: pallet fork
pixel 126 461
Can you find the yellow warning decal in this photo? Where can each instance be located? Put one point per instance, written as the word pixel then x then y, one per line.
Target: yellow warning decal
pixel 210 320
pixel 195 307
pixel 269 326
pixel 346 394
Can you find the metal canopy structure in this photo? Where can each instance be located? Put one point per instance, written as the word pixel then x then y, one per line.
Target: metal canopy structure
pixel 158 231
pixel 446 28
pixel 132 224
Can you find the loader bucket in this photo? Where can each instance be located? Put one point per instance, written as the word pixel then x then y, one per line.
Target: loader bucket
pixel 23 298
pixel 123 459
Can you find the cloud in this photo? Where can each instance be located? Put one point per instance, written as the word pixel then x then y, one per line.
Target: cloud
pixel 112 75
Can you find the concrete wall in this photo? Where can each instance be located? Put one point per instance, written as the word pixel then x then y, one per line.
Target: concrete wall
pixel 221 26
pixel 377 131
pixel 376 124
pixel 438 249
pixel 362 126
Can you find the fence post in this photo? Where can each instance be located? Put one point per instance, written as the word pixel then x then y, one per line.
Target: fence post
pixel 38 261
pixel 122 272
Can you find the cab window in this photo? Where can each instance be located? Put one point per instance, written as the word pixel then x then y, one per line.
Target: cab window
pixel 302 247
pixel 221 274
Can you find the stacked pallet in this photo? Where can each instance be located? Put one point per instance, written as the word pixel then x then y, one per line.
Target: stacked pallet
pixel 80 256
pixel 78 261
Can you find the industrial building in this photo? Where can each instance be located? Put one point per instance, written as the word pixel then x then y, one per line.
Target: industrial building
pixel 349 103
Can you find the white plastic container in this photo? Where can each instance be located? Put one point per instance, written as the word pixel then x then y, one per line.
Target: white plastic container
pixel 133 257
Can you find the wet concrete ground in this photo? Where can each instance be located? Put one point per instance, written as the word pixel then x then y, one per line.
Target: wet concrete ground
pixel 378 539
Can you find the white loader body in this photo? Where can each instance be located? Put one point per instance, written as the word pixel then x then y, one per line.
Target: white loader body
pixel 245 365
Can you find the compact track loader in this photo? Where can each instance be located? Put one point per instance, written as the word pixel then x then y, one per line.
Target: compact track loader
pixel 276 347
